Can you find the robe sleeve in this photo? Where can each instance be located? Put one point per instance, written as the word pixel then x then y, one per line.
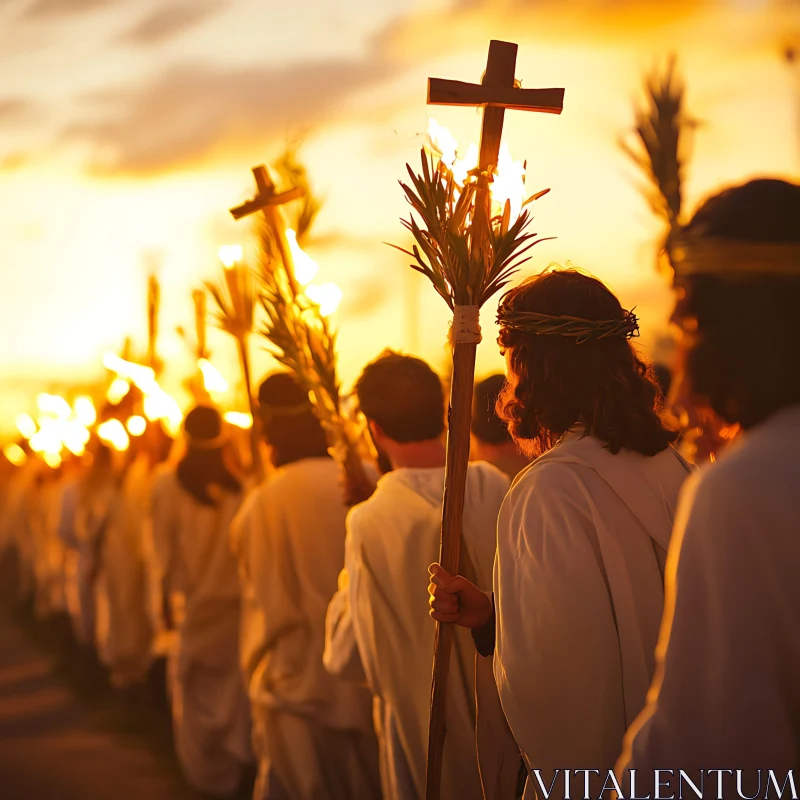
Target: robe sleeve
pixel 717 699
pixel 341 656
pixel 484 637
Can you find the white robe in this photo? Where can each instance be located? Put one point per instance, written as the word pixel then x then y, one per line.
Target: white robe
pixel 382 609
pixel 125 631
pixel 289 538
pixel 48 549
pixel 78 593
pixel 727 691
pixel 209 703
pixel 95 502
pixel 578 589
pixel 21 498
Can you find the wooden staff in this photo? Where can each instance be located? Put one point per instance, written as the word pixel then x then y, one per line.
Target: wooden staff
pixel 200 318
pixel 269 202
pixel 241 295
pixel 495 93
pixel 153 303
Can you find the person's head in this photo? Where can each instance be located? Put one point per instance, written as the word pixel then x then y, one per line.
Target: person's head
pixel 569 361
pixel 486 426
pixel 290 427
pixel 737 265
pixel 403 401
pixel 203 466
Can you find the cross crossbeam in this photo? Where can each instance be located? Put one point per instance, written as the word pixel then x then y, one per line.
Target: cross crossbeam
pixel 266 195
pixel 442 92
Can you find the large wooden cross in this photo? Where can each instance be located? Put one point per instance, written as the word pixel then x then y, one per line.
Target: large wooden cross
pixel 496 92
pixel 269 201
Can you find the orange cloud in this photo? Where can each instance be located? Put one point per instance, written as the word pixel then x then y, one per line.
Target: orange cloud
pixel 14 110
pixel 170 21
pixel 51 8
pixel 194 111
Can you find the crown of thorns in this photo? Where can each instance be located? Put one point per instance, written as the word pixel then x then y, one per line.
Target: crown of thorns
pixel 581 330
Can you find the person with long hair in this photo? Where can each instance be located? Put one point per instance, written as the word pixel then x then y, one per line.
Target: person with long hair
pixel 727 691
pixel 192 508
pixel 312 731
pixel 583 533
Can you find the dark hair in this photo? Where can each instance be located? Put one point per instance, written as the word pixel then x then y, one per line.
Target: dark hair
pixel 288 421
pixel 402 395
pixel 555 383
pixel 663 377
pixel 203 464
pixel 486 425
pixel 743 360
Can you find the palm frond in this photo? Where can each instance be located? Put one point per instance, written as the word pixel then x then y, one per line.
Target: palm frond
pixel 441 224
pixel 663 136
pixel 235 300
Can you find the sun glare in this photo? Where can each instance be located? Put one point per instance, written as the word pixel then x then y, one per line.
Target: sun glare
pixel 230 254
pixel 305 268
pixel 239 419
pixel 213 379
pixel 327 296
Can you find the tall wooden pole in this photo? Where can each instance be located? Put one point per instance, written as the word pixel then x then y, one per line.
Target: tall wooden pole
pixel 153 304
pixel 255 429
pixel 499 72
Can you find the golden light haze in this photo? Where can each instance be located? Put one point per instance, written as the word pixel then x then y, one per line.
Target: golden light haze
pixel 127 129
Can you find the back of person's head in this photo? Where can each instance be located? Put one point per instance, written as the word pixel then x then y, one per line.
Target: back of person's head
pixel 740 314
pixel 486 424
pixel 594 377
pixel 403 396
pixel 203 465
pixel 289 424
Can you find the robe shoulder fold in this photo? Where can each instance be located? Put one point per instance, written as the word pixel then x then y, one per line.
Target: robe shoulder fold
pixel 726 688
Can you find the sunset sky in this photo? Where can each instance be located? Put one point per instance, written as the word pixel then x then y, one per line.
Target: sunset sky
pixel 128 128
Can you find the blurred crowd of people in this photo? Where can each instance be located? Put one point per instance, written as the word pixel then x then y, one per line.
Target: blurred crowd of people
pixel 297 630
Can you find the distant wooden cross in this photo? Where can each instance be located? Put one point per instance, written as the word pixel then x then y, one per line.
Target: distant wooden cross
pixel 496 92
pixel 269 201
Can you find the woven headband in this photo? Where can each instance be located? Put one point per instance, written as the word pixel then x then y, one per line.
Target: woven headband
pixel 268 411
pixel 727 258
pixel 577 328
pixel 196 443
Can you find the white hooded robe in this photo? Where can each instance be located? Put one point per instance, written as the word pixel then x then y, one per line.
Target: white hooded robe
pixel 313 731
pixel 578 590
pixel 211 715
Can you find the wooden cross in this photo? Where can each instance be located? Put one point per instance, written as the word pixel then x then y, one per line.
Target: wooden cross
pixel 496 92
pixel 269 201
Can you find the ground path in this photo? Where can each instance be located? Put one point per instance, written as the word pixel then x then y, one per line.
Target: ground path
pixel 64 734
